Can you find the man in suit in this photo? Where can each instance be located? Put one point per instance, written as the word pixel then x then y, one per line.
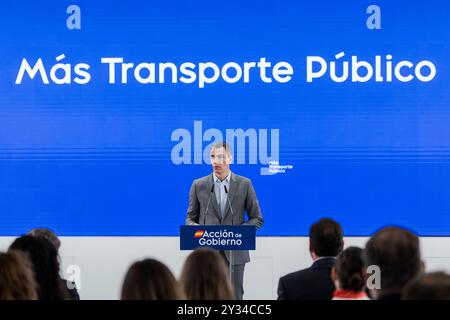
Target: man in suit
pixel 220 189
pixel 315 283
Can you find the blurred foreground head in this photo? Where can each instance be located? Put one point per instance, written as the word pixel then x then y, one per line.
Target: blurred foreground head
pixel 205 276
pixel 150 279
pixel 16 277
pixel 396 251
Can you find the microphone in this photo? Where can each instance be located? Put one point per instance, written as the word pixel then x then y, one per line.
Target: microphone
pixel 207 205
pixel 229 203
pixel 231 263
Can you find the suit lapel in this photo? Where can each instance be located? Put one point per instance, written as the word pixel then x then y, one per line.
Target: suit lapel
pixel 231 193
pixel 214 203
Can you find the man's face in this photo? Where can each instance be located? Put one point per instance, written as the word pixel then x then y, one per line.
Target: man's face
pixel 220 161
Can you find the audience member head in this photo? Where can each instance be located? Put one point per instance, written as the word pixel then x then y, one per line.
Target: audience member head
pixel 44 259
pixel 349 272
pixel 46 234
pixel 430 286
pixel 396 252
pixel 325 239
pixel 205 276
pixel 150 279
pixel 16 277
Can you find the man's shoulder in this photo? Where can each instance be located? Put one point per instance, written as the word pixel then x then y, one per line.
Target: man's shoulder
pixel 202 180
pixel 318 268
pixel 240 179
pixel 207 179
pixel 296 276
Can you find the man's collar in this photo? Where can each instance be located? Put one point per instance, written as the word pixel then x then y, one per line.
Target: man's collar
pixel 227 178
pixel 324 262
pixel 325 257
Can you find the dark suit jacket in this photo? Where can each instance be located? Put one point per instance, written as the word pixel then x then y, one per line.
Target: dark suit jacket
pixel 71 294
pixel 390 296
pixel 313 283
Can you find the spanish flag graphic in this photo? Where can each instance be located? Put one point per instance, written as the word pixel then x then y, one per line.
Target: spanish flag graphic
pixel 199 233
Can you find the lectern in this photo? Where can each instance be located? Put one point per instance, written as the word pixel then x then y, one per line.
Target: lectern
pixel 219 237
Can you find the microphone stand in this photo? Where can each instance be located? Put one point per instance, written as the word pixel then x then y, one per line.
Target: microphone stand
pixel 231 251
pixel 207 206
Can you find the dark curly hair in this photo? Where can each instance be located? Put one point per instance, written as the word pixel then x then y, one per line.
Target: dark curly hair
pixel 350 269
pixel 44 258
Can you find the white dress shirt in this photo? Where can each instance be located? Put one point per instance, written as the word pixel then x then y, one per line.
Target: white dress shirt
pixel 219 190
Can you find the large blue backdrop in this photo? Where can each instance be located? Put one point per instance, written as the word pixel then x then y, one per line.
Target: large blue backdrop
pixel 104 158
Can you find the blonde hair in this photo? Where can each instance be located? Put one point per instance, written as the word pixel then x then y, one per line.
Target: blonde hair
pixel 150 279
pixel 16 277
pixel 205 276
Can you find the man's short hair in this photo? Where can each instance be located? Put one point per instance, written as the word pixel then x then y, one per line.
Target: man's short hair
pixel 224 145
pixel 326 238
pixel 430 286
pixel 396 252
pixel 46 234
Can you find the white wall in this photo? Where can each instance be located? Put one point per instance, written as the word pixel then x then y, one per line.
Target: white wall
pixel 104 260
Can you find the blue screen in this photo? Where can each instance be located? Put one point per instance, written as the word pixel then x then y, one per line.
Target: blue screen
pixel 118 156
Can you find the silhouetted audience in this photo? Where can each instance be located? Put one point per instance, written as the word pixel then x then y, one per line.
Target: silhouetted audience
pixel 30 270
pixel 16 277
pixel 150 279
pixel 44 259
pixel 349 275
pixel 205 276
pixel 430 286
pixel 315 283
pixel 396 252
pixel 72 292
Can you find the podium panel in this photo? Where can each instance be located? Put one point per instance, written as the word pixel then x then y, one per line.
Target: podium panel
pixel 218 237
